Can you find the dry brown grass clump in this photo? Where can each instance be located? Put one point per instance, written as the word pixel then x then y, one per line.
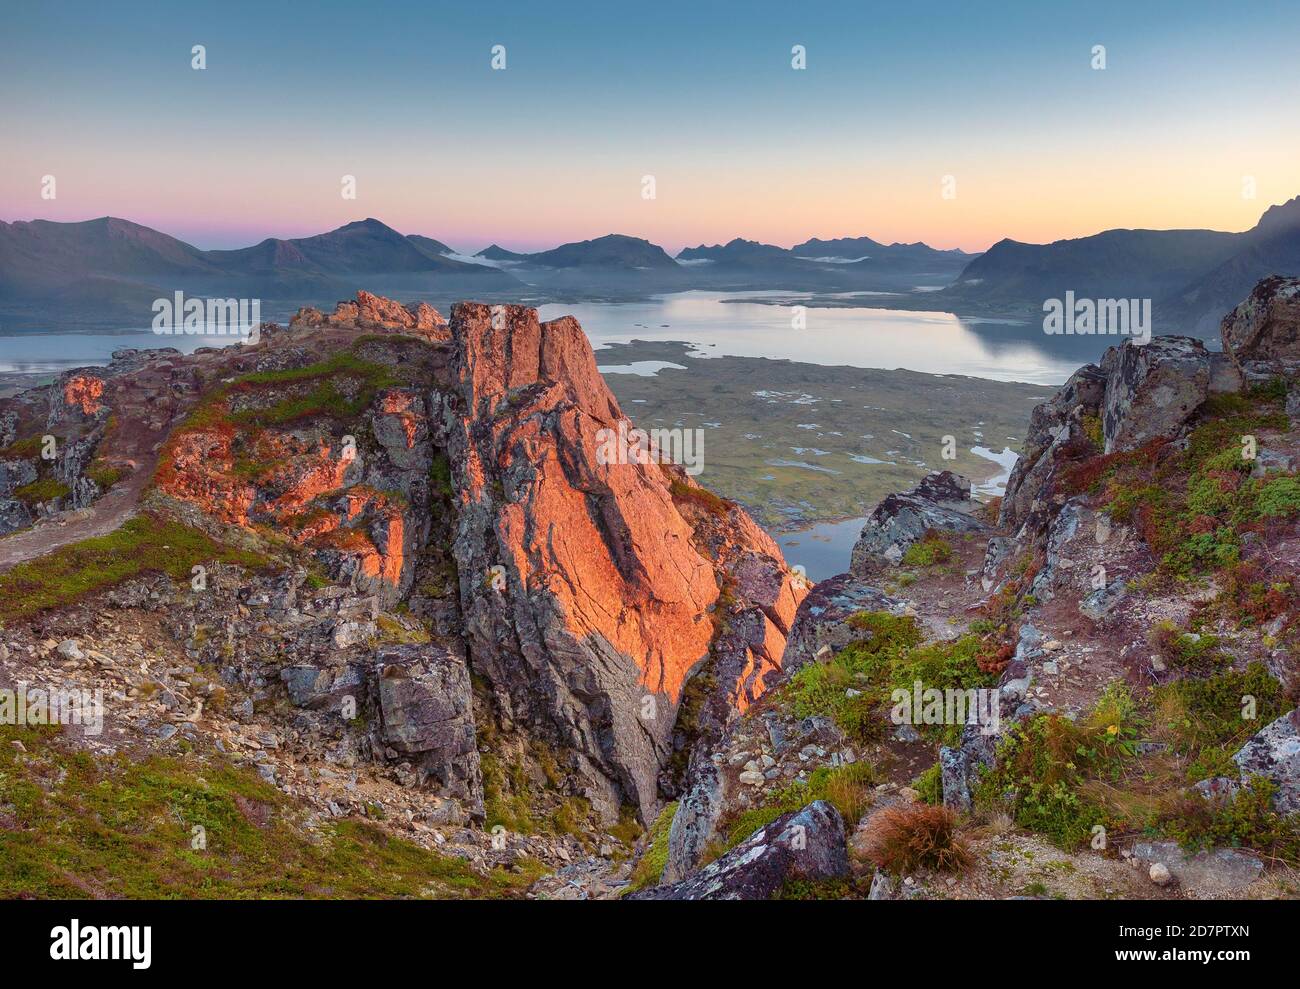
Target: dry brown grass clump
pixel 903 839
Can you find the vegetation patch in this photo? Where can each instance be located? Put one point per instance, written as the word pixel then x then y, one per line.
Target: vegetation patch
pixel 902 839
pixel 931 550
pixel 854 688
pixel 144 544
pixel 104 474
pixel 701 498
pixel 1044 761
pixel 848 788
pixel 1193 506
pixel 650 867
pixel 78 827
pixel 41 490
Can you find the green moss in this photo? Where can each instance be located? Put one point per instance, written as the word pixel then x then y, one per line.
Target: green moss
pixel 402 633
pixel 1278 497
pixel 42 490
pixel 1208 712
pixel 105 475
pixel 930 550
pixel 141 545
pixel 124 827
pixel 505 796
pixel 650 866
pixel 27 448
pixel 440 476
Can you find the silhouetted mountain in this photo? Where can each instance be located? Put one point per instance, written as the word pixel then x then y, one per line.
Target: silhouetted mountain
pixel 433 248
pixel 1128 263
pixel 1271 247
pixel 108 271
pixel 840 247
pixel 1192 276
pixel 37 255
pixel 610 251
pixel 495 253
pixel 735 251
pixel 855 248
pixel 364 247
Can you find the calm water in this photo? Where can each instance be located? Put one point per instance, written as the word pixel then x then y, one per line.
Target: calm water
pixel 934 342
pixel 823 550
pixel 859 337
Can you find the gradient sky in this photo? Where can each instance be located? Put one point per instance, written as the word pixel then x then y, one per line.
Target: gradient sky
pixel 699 94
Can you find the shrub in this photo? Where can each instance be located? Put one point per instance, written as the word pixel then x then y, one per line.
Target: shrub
pixel 1246 820
pixel 901 839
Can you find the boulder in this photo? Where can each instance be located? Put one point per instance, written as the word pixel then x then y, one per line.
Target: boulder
pixel 693 824
pixel 1275 752
pixel 941 501
pixel 1152 389
pixel 1266 326
pixel 808 844
pixel 426 709
pixel 1052 425
pixel 822 621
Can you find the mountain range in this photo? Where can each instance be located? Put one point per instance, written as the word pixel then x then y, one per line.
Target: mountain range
pixel 104 273
pixel 1192 276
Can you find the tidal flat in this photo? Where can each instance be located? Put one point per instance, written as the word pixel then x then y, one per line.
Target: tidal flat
pixel 797 443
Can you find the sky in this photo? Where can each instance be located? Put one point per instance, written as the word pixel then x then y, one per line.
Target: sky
pixel 1196 102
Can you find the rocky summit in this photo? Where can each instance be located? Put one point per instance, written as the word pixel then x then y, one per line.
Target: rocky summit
pixel 360 606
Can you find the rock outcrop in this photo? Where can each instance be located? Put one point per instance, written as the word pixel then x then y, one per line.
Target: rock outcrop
pixel 808 845
pixel 1275 753
pixel 592 591
pixel 1151 390
pixel 1266 326
pixel 941 502
pixel 373 312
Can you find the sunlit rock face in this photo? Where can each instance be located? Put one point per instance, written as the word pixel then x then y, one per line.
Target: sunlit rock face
pixel 591 590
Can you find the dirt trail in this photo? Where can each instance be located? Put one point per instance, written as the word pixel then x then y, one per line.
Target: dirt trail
pixel 99 519
pixel 145 412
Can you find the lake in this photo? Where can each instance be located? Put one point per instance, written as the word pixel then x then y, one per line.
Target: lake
pixel 721 324
pixel 716 324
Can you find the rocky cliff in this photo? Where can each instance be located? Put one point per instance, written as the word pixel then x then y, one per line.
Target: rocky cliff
pixel 430 500
pixel 1127 614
